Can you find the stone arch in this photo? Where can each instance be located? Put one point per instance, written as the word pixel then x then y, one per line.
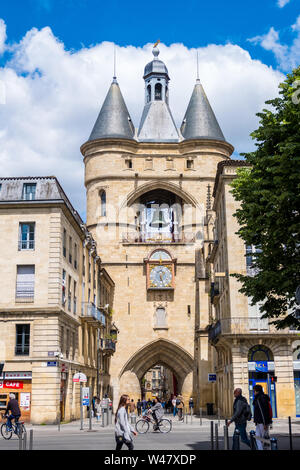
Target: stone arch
pixel 158 184
pixel 166 353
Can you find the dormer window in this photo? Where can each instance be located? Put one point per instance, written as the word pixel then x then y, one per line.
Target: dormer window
pixel 158 92
pixel 29 191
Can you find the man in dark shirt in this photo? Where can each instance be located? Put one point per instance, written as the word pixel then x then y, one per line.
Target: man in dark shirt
pixel 14 409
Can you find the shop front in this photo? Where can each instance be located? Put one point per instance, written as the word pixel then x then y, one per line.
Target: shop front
pixel 18 383
pixel 297 385
pixel 262 372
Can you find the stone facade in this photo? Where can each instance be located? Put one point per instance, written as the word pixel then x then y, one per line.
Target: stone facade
pixel 50 325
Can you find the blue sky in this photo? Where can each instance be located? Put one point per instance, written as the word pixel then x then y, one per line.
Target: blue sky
pixel 195 23
pixel 56 65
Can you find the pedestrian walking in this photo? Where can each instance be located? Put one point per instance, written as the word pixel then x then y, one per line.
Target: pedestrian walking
pixel 174 406
pixel 241 414
pixel 262 414
pixel 123 430
pixel 132 408
pixel 191 405
pixel 179 406
pixel 98 408
pixel 139 407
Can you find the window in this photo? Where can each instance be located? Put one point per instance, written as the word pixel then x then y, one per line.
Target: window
pixel 62 339
pixel 70 250
pixel 29 191
pixel 190 164
pixel 75 256
pixel 68 343
pixel 103 203
pixel 25 283
pixel 128 162
pixel 69 293
pixel 160 318
pixel 148 93
pixel 63 296
pixel 83 265
pixel 65 243
pixel 22 340
pixel 74 298
pixel 26 236
pixel 158 91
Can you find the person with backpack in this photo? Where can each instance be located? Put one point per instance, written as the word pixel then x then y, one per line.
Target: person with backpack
pixel 262 414
pixel 179 406
pixel 241 414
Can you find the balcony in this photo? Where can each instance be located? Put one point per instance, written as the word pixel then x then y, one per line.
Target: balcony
pixel 108 346
pixel 156 237
pixel 214 292
pixel 242 326
pixel 92 314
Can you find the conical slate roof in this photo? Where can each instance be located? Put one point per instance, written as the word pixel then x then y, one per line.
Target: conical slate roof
pixel 114 120
pixel 200 121
pixel 157 124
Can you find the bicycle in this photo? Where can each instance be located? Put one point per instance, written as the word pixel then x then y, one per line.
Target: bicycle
pixel 142 425
pixel 17 428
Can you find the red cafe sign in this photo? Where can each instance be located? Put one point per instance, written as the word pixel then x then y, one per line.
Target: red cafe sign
pixel 11 384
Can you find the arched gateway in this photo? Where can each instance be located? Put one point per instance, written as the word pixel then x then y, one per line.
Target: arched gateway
pixel 165 353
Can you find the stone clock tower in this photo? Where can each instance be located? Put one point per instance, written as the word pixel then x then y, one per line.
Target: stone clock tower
pixel 146 206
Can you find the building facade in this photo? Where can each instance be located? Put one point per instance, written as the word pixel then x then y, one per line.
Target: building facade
pixel 51 322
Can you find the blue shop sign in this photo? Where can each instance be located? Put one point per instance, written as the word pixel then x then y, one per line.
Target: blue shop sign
pixel 261 366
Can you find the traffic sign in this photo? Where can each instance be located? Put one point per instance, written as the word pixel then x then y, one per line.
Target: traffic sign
pixel 85 396
pixel 212 377
pixel 79 377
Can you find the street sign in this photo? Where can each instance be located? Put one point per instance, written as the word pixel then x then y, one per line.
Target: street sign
pixel 85 396
pixel 212 378
pixel 52 364
pixel 79 377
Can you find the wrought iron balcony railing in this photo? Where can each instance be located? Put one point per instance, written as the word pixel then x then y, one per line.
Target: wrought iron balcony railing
pixel 242 325
pixel 90 312
pixel 156 237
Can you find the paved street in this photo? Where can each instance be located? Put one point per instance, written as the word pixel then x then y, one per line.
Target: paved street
pixel 184 436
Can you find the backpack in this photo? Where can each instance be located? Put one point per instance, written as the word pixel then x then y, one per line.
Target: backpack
pixel 248 412
pixel 178 401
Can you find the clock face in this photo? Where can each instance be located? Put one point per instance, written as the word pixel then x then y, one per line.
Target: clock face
pixel 160 277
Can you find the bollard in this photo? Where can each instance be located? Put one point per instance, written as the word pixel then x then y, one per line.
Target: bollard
pixel 253 440
pixel 191 415
pixel 217 436
pixel 236 440
pixel 102 417
pixel 21 439
pixel 212 435
pixel 226 447
pixel 200 416
pixel 31 439
pixel 109 415
pixel 59 418
pixel 186 416
pixel 25 441
pixel 218 416
pixel 273 441
pixel 290 433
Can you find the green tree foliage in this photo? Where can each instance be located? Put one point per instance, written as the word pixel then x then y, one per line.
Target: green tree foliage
pixel 269 214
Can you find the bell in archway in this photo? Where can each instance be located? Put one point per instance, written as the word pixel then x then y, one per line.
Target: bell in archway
pixel 158 220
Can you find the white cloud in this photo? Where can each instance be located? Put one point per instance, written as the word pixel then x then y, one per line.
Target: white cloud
pixel 282 3
pixel 2 36
pixel 288 57
pixel 53 97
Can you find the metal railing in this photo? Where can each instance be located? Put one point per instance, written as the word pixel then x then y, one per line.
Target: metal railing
pixel 244 325
pixel 155 237
pixel 89 310
pixel 108 344
pixel 25 290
